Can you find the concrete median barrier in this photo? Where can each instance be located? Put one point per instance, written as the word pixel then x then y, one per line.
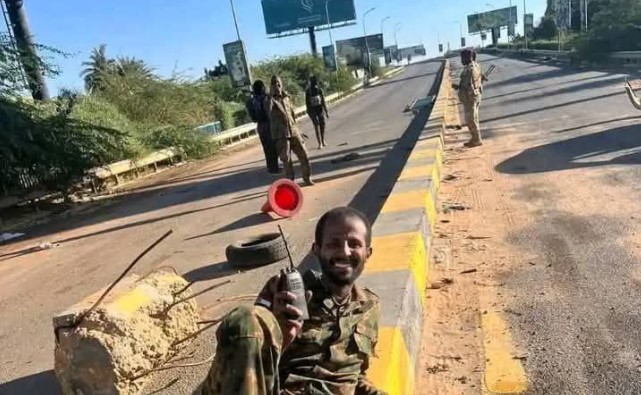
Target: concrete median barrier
pixel 138 327
pixel 399 268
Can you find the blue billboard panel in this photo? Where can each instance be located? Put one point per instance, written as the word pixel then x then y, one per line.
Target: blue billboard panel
pixel 477 23
pixel 329 56
pixel 283 16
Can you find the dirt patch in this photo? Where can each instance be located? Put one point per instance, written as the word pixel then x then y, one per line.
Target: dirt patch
pixel 471 255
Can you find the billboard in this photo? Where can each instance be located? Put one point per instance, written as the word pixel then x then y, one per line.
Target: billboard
pixel 391 53
pixel 528 25
pixel 329 57
pixel 477 23
pixel 416 50
pixel 288 15
pixel 236 58
pixel 354 50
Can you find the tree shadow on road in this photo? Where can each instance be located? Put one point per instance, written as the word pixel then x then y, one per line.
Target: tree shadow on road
pixel 39 383
pixel 579 152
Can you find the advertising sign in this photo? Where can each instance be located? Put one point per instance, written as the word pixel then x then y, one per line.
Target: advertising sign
pixel 416 50
pixel 287 15
pixel 529 25
pixel 354 50
pixel 236 58
pixel 329 56
pixel 477 23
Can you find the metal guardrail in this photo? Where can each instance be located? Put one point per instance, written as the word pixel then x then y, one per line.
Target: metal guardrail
pixel 623 58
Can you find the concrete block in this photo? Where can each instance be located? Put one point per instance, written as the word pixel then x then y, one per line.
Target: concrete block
pixel 140 325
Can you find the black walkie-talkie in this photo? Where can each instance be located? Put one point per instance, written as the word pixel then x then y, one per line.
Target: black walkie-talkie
pixel 292 281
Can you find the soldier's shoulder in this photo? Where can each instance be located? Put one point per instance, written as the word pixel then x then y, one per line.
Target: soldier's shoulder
pixel 370 295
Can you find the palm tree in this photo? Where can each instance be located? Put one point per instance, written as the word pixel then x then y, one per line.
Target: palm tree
pixel 96 68
pixel 130 66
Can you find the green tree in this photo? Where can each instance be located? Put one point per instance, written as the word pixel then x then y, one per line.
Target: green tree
pixel 546 30
pixel 96 69
pixel 130 66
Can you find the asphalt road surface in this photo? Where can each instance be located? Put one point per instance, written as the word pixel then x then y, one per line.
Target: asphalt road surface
pixel 567 144
pixel 208 205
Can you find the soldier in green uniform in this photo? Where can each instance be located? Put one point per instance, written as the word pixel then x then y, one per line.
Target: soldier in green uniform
pixel 285 131
pixel 263 351
pixel 469 92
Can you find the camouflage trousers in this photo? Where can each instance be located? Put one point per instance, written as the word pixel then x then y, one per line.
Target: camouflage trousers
pixel 296 145
pixel 247 355
pixel 471 107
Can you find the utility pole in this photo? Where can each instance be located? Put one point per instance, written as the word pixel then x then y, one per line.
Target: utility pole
pixel 233 12
pixel 524 25
pixel 369 60
pixel 396 30
pixel 24 42
pixel 383 24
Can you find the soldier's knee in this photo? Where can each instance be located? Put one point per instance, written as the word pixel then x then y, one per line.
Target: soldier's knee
pixel 244 321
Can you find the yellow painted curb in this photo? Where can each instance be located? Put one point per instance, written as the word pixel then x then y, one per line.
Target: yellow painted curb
pixel 503 373
pixel 415 199
pixel 403 251
pixel 392 372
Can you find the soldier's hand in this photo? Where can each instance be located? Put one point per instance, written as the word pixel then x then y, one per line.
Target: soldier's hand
pixel 288 316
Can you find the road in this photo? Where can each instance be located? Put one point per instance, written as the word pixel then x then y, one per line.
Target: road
pixel 208 205
pixel 553 230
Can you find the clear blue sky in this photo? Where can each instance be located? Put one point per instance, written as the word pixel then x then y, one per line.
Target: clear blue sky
pixel 187 35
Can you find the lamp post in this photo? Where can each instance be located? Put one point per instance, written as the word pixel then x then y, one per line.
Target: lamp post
pixel 369 61
pixel 233 12
pixel 460 28
pixel 396 30
pixel 383 24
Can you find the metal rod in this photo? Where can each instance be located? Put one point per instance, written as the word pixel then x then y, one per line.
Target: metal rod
pixel 289 255
pixel 233 12
pixel 122 275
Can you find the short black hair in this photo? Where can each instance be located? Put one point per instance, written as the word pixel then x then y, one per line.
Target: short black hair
pixel 259 87
pixel 342 212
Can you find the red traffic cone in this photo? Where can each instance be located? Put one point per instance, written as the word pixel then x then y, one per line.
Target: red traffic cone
pixel 284 198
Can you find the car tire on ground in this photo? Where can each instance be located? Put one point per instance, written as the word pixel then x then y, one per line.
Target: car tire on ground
pixel 256 251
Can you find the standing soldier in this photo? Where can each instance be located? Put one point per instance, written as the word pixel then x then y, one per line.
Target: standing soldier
pixel 285 132
pixel 469 93
pixel 257 109
pixel 317 109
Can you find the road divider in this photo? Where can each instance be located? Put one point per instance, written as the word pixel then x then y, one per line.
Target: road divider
pixel 399 268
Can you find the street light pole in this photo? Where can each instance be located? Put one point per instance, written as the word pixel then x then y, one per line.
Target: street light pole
pixel 524 25
pixel 233 12
pixel 396 30
pixel 329 24
pixel 460 28
pixel 369 61
pixel 383 23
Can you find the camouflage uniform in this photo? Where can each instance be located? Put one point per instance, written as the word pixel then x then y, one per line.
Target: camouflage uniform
pixel 287 136
pixel 469 92
pixel 329 357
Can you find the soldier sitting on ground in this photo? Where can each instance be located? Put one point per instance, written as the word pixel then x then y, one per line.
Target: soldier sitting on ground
pixel 265 350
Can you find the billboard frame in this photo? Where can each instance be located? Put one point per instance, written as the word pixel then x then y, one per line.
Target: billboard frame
pixel 304 29
pixel 514 21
